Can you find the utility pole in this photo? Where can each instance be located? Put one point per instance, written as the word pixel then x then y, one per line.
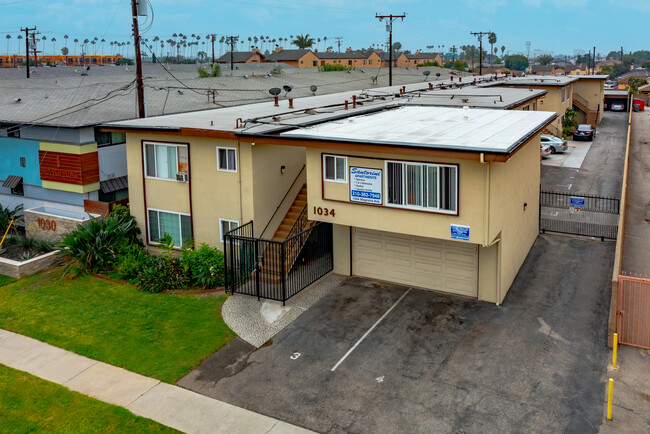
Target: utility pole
pixel 453 57
pixel 338 41
pixel 27 30
pixel 34 33
pixel 138 60
pixel 480 49
pixel 593 62
pixel 232 40
pixel 621 54
pixel 213 37
pixel 389 27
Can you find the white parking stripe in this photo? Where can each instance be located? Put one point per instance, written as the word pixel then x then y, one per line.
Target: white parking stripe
pixel 369 330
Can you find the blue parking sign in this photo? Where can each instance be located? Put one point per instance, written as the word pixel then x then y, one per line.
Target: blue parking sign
pixel 577 202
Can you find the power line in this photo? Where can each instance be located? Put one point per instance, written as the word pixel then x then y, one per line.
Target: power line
pixel 389 27
pixel 480 50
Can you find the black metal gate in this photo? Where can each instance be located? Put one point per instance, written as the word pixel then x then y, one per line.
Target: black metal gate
pixel 578 214
pixel 276 270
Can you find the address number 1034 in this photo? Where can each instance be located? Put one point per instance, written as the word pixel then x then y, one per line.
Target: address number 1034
pixel 324 211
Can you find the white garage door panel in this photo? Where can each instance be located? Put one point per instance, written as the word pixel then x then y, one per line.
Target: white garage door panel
pixel 441 265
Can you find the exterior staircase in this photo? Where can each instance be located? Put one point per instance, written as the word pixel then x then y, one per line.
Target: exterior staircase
pixel 280 255
pixel 582 105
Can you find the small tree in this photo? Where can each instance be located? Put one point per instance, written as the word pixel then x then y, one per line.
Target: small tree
pixel 635 83
pixel 545 59
pixel 64 51
pixel 517 62
pixel 492 39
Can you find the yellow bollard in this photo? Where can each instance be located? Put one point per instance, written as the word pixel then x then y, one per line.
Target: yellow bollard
pixel 6 232
pixel 610 392
pixel 615 349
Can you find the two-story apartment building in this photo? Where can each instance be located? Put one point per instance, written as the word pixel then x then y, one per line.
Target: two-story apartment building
pixel 434 197
pixel 588 98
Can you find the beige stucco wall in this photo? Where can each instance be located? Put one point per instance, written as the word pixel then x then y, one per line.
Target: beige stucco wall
pixel 593 91
pixel 215 194
pixel 512 184
pixel 552 101
pixel 425 224
pixel 269 184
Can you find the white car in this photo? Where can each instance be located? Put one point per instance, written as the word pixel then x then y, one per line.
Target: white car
pixel 557 144
pixel 545 150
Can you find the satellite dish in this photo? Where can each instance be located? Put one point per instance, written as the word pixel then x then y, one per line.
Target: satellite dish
pixel 426 73
pixel 287 88
pixel 313 89
pixel 437 74
pixel 275 91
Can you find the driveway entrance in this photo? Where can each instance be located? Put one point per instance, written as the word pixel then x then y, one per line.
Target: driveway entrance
pixel 374 357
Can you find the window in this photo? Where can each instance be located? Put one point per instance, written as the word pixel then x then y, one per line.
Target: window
pixel 335 168
pixel 165 161
pixel 365 61
pixel 563 93
pixel 526 108
pixel 226 226
pixel 370 62
pixel 431 187
pixel 106 138
pixel 162 223
pixel 227 159
pixel 315 63
pixel 535 106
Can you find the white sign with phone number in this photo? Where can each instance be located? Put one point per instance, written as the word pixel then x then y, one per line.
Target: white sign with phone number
pixel 365 185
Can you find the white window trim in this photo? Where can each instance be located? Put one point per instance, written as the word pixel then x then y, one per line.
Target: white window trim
pixel 144 157
pixel 236 161
pixel 156 243
pixel 221 234
pixel 416 207
pixel 345 171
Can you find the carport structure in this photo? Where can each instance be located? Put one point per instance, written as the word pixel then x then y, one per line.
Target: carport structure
pixel 616 96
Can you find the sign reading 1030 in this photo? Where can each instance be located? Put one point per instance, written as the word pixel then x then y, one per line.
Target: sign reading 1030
pixel 365 185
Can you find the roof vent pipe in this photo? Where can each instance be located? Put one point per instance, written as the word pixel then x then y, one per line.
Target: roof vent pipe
pixel 465 112
pixel 290 103
pixel 277 102
pixel 346 104
pixel 354 101
pixel 430 86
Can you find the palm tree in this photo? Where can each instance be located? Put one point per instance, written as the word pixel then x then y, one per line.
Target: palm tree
pixel 103 41
pixel 93 44
pixel 503 50
pixel 492 39
pixel 75 45
pixel 318 43
pixel 65 37
pixel 303 41
pixel 8 37
pixel 64 51
pixel 53 45
pixel 325 41
pixel 19 37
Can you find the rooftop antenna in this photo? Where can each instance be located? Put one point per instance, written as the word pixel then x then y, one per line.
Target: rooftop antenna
pixel 313 89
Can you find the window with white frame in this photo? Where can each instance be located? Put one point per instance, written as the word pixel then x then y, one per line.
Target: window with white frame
pixel 335 168
pixel 227 159
pixel 178 226
pixel 429 187
pixel 164 161
pixel 226 226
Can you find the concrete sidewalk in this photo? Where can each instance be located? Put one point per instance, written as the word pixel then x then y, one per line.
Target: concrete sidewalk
pixel 167 404
pixel 637 220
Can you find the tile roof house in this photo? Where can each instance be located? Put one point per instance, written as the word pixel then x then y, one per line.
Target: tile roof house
pixel 300 58
pixel 253 56
pixel 413 59
pixel 352 58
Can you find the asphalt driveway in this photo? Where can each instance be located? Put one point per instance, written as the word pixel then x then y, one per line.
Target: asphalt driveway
pixel 437 363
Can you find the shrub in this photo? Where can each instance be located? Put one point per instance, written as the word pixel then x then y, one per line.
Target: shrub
pixel 332 67
pixel 163 273
pixel 204 266
pixel 428 64
pixel 95 244
pixel 216 72
pixel 7 215
pixel 131 260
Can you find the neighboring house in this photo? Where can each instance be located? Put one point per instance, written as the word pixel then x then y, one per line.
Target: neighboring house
pixel 300 58
pixel 609 62
pixel 418 58
pixel 350 58
pixel 588 97
pixel 253 56
pixel 557 99
pixel 542 70
pixel 576 70
pixel 385 60
pixel 624 79
pixel 434 197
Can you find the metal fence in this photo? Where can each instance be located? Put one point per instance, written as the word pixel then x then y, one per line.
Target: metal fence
pixel 633 313
pixel 578 214
pixel 276 270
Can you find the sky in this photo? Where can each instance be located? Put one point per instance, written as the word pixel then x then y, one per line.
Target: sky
pixel 560 27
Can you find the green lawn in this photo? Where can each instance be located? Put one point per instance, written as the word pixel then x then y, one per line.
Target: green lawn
pixel 5 279
pixel 30 404
pixel 163 336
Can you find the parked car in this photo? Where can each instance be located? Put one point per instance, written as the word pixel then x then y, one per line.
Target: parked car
pixel 584 131
pixel 617 107
pixel 556 144
pixel 545 150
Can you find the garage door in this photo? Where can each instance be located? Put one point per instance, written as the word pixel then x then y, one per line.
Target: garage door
pixel 447 266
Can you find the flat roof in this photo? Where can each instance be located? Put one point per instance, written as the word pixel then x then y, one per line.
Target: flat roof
pixel 478 97
pixel 540 80
pixel 442 128
pixel 591 76
pixel 616 92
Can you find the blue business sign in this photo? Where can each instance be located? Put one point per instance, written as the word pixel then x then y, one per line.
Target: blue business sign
pixel 460 232
pixel 577 202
